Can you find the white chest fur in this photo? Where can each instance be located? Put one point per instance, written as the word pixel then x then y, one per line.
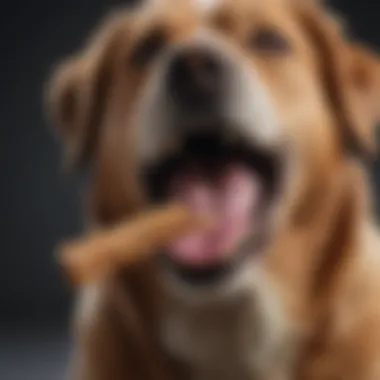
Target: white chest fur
pixel 236 339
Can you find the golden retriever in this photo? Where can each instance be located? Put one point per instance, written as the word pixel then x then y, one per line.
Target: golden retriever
pixel 262 113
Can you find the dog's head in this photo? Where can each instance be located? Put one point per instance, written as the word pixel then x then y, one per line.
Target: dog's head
pixel 247 110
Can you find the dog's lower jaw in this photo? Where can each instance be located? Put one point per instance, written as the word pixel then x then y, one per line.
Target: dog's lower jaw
pixel 244 335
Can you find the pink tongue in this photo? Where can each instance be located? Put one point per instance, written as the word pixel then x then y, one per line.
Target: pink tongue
pixel 232 200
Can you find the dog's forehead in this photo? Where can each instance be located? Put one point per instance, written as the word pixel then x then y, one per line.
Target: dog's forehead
pixel 203 6
pixel 207 5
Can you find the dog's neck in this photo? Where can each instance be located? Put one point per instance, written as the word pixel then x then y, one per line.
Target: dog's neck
pixel 224 340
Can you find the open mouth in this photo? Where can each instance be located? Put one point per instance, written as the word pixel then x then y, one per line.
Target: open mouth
pixel 228 179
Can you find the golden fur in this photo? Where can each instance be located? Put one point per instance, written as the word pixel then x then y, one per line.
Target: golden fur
pixel 323 262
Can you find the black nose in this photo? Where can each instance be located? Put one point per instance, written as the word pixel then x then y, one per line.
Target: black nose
pixel 194 80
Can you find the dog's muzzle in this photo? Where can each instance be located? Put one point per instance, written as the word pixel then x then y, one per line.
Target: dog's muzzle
pixel 208 127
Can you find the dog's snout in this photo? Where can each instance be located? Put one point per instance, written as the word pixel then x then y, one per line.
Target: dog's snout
pixel 194 79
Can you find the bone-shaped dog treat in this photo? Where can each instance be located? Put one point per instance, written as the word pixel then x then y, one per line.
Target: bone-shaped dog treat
pixel 99 253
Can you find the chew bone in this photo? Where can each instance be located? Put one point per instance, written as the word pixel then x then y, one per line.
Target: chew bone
pixel 93 256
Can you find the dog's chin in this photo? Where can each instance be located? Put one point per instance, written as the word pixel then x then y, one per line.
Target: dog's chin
pixel 234 182
pixel 215 283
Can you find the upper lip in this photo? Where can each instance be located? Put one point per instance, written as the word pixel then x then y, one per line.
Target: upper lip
pixel 211 150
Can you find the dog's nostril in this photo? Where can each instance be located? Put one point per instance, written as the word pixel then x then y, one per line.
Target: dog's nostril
pixel 194 77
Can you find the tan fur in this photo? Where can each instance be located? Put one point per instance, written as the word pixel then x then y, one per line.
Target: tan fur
pixel 321 269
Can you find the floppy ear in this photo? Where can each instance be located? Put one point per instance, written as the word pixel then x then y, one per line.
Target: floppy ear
pixel 351 76
pixel 361 96
pixel 76 98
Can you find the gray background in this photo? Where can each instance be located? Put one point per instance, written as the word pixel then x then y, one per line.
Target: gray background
pixel 38 204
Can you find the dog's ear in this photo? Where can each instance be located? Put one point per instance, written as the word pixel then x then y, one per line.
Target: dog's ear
pixel 76 97
pixel 361 96
pixel 351 77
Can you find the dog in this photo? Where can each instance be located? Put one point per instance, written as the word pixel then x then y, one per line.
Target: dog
pixel 261 113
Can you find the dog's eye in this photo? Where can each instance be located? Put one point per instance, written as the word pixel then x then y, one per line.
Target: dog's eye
pixel 268 40
pixel 148 48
